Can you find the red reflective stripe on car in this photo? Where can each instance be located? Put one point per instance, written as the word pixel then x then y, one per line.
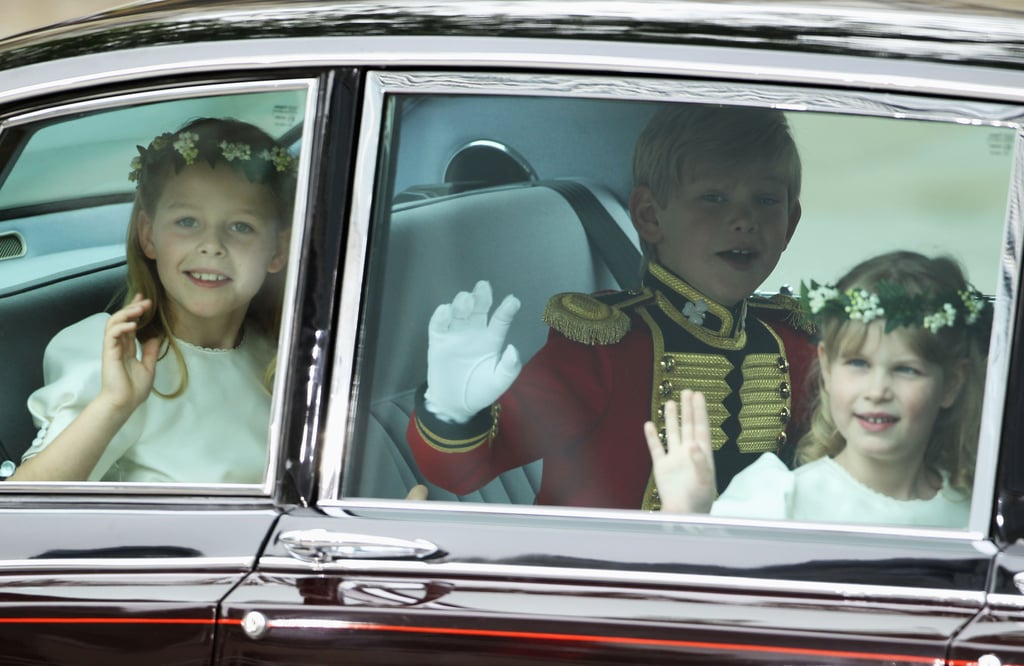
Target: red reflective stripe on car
pixel 361 626
pixel 109 620
pixel 663 642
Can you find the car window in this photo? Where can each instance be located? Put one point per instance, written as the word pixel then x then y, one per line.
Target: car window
pixel 65 167
pixel 67 190
pixel 545 210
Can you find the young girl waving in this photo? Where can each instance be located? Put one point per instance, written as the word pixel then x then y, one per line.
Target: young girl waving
pixel 172 387
pixel 894 429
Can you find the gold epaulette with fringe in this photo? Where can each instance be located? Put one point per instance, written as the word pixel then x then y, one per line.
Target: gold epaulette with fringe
pixel 786 308
pixel 585 319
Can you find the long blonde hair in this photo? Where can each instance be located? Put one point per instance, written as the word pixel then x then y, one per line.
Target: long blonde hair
pixel 954 439
pixel 152 170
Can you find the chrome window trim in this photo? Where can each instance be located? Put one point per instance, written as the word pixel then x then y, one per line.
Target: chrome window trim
pixel 347 507
pixel 301 221
pixel 336 426
pixel 299 224
pixel 799 590
pixel 190 91
pixel 52 490
pixel 788 97
pixel 834 70
pixel 380 84
pixel 1001 341
pixel 476 510
pixel 1006 602
pixel 118 565
pixel 196 506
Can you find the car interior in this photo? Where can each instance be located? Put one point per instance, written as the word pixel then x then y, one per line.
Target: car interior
pixel 442 234
pixel 566 220
pixel 529 192
pixel 65 200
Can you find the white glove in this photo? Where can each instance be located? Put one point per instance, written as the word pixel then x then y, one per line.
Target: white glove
pixel 466 367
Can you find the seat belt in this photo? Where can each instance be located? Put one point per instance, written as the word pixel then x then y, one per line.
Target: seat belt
pixel 605 235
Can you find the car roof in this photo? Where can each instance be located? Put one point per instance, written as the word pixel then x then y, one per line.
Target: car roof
pixel 981 31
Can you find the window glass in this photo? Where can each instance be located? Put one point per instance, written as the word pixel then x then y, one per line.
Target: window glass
pixel 881 183
pixel 215 172
pixel 75 168
pixel 544 194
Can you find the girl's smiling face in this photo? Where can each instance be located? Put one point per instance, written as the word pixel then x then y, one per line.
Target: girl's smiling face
pixel 884 397
pixel 214 236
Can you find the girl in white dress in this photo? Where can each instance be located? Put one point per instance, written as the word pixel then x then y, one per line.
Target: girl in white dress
pixel 173 387
pixel 894 429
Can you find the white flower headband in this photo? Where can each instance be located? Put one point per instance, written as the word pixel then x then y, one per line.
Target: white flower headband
pixel 186 147
pixel 892 302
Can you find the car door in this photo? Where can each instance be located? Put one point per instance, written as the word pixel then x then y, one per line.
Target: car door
pixel 112 572
pixel 488 575
pixel 994 637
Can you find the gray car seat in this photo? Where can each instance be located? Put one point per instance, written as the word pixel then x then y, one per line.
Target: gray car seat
pixel 30 318
pixel 532 240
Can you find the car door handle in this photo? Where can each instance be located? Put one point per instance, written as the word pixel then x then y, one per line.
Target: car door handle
pixel 320 546
pixel 1018 581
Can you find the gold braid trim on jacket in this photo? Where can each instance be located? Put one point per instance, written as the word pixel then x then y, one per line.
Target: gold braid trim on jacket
pixel 585 319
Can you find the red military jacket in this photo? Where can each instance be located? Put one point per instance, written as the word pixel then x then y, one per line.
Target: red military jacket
pixel 610 363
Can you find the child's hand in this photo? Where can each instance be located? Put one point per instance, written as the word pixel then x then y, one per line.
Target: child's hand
pixel 127 379
pixel 685 472
pixel 468 364
pixel 417 492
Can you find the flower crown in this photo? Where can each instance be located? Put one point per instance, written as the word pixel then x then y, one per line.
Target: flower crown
pixel 187 147
pixel 899 308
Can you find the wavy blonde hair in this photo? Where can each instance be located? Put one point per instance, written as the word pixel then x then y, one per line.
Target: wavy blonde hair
pixel 954 442
pixel 681 137
pixel 154 173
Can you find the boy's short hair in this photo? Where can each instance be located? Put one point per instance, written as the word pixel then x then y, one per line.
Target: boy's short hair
pixel 681 134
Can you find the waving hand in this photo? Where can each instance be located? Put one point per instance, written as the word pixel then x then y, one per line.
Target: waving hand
pixel 468 363
pixel 684 468
pixel 127 379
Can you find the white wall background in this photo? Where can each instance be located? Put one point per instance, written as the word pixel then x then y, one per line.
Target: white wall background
pixel 872 185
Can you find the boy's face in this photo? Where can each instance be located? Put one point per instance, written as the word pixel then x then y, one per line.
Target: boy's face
pixel 722 230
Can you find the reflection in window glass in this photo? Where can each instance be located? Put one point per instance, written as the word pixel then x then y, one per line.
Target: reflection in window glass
pixel 650 261
pixel 203 190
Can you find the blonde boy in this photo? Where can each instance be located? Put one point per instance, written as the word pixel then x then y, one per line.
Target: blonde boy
pixel 715 202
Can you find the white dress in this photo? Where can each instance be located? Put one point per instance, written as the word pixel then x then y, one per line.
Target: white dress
pixel 823 491
pixel 214 432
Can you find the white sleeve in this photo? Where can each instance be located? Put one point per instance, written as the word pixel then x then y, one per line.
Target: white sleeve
pixel 762 490
pixel 72 379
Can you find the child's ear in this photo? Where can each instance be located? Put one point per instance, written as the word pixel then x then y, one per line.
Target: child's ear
pixel 145 227
pixel 795 211
pixel 280 256
pixel 954 383
pixel 643 210
pixel 826 370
